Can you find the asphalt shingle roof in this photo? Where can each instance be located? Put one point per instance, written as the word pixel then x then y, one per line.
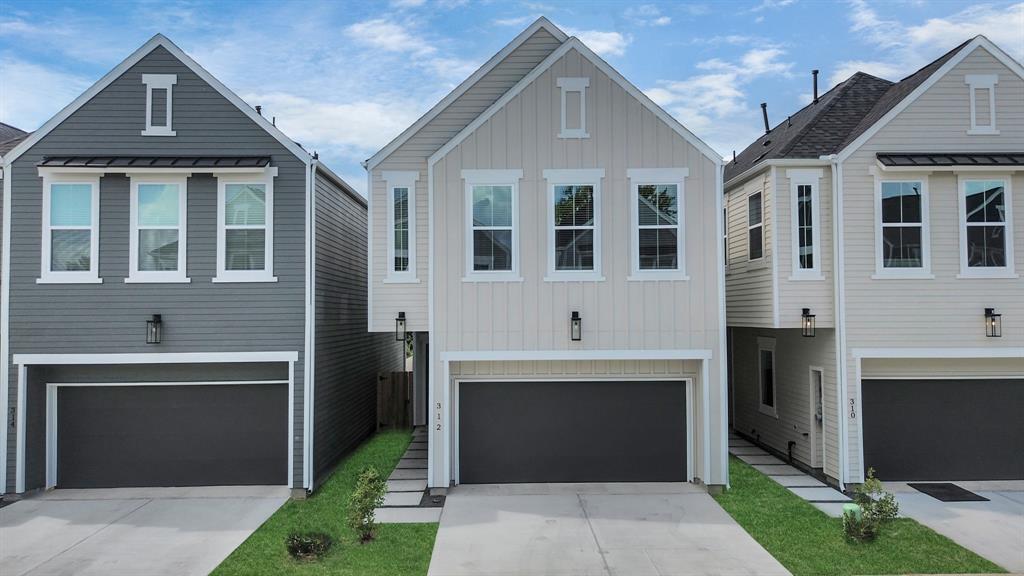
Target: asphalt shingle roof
pixel 10 137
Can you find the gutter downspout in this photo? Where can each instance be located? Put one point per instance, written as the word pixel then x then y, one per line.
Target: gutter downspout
pixel 5 334
pixel 310 341
pixel 839 293
pixel 723 367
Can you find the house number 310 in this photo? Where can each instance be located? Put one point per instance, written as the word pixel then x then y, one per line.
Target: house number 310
pixel 853 408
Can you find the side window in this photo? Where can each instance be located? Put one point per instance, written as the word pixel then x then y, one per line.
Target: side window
pixel 401 222
pixel 755 227
pixel 766 376
pixel 70 243
pixel 805 225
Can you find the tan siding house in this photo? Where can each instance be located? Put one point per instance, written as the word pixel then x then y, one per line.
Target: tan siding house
pixel 928 252
pixel 569 269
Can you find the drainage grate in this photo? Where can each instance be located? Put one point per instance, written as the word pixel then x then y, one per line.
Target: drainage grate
pixel 946 492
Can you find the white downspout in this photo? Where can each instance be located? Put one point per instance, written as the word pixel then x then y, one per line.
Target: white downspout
pixel 839 312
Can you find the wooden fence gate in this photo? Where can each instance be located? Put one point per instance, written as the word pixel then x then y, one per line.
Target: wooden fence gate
pixel 394 400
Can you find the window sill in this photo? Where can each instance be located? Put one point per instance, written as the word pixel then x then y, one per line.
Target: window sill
pixel 573 135
pixel 569 277
pixel 815 277
pixel 242 280
pixel 983 132
pixel 154 131
pixel 922 275
pixel 994 274
pixel 143 280
pixel 395 280
pixel 656 276
pixel 494 278
pixel 78 280
pixel 768 411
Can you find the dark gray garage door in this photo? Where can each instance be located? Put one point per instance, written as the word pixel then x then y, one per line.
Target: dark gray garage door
pixel 572 432
pixel 112 436
pixel 944 429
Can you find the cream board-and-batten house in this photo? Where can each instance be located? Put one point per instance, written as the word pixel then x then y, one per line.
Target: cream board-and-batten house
pixel 552 238
pixel 881 216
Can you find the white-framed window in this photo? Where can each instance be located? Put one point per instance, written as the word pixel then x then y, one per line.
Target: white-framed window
pixel 983 102
pixel 158 225
pixel 902 235
pixel 806 223
pixel 492 225
pixel 71 230
pixel 245 227
pixel 657 214
pixel 159 88
pixel 755 226
pixel 986 227
pixel 574 107
pixel 401 222
pixel 767 389
pixel 574 224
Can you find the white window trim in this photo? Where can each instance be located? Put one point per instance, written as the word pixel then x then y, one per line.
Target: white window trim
pixel 491 178
pixel 91 276
pixel 179 275
pixel 812 178
pixel 158 82
pixel 574 85
pixel 925 271
pixel 574 177
pixel 991 271
pixel 400 179
pixel 977 82
pixel 746 207
pixel 265 177
pixel 767 345
pixel 654 176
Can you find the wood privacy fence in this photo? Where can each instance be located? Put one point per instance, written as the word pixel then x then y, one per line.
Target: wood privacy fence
pixel 394 400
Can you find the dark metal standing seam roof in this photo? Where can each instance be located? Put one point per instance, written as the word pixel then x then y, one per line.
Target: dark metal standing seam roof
pixel 926 159
pixel 156 161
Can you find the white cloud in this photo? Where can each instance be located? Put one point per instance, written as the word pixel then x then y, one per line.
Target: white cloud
pixel 388 36
pixel 407 3
pixel 877 68
pixel 771 5
pixel 604 43
pixel 646 15
pixel 30 94
pixel 514 21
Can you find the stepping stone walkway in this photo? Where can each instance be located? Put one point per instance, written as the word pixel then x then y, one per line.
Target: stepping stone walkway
pixel 407 486
pixel 822 496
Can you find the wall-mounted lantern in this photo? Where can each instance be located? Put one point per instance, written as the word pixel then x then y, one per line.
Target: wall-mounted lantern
pixel 154 329
pixel 400 327
pixel 575 327
pixel 807 323
pixel 993 323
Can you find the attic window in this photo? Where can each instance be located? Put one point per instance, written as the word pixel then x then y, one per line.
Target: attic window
pixel 158 104
pixel 574 107
pixel 983 103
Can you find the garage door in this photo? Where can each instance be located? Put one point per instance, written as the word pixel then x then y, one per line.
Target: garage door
pixel 944 429
pixel 561 431
pixel 113 436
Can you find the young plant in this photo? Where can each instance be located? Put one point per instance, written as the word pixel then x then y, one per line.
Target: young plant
pixel 308 546
pixel 878 507
pixel 367 496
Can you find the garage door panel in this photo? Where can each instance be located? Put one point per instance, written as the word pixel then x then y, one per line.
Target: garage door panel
pixel 195 435
pixel 596 431
pixel 944 429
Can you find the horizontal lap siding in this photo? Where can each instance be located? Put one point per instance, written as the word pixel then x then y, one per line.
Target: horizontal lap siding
pixel 748 284
pixel 348 358
pixel 945 311
pixel 795 295
pixel 389 299
pixel 198 317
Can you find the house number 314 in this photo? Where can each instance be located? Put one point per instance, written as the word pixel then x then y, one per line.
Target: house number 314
pixel 853 408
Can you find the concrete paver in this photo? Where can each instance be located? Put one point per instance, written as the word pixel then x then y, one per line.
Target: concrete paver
pixel 804 480
pixel 759 459
pixel 409 474
pixel 407 485
pixel 403 498
pixel 778 470
pixel 407 515
pixel 824 494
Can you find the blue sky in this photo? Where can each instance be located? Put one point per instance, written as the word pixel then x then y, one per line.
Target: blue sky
pixel 343 78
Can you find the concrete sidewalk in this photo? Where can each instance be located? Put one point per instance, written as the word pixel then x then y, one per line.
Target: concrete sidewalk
pixel 132 531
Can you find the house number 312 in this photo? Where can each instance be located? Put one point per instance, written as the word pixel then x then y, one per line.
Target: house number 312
pixel 438 406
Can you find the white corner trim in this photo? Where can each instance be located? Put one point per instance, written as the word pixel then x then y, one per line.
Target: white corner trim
pixel 723 337
pixel 797 178
pixel 143 276
pixel 569 177
pixel 159 82
pixel 91 276
pixel 579 86
pixel 401 179
pixel 309 342
pixel 5 287
pixel 266 178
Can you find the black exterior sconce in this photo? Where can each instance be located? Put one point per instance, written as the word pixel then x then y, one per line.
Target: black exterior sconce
pixel 575 327
pixel 154 329
pixel 993 323
pixel 807 323
pixel 400 327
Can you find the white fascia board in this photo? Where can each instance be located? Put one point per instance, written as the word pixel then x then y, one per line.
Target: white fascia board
pixel 765 164
pixel 575 44
pixel 556 355
pixel 464 87
pixel 156 41
pixel 977 42
pixel 859 353
pixel 157 358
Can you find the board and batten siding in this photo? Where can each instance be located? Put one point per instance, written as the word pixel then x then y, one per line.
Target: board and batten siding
pixel 796 294
pixel 748 283
pixel 347 357
pixel 794 357
pixel 411 298
pixel 533 314
pixel 944 311
pixel 199 316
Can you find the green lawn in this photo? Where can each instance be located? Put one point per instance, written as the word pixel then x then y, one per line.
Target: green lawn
pixel 399 549
pixel 807 541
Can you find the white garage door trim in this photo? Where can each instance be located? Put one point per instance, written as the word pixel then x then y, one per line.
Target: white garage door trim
pixel 454 417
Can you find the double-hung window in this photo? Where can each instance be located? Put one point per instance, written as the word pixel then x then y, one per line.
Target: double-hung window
pixel 245 228
pixel 902 233
pixel 806 225
pixel 657 211
pixel 157 246
pixel 492 224
pixel 574 224
pixel 986 245
pixel 766 376
pixel 70 243
pixel 755 227
pixel 401 221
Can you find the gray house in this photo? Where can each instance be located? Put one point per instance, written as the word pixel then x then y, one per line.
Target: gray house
pixel 183 293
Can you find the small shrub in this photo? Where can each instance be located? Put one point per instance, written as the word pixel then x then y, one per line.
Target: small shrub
pixel 859 529
pixel 367 496
pixel 878 508
pixel 309 546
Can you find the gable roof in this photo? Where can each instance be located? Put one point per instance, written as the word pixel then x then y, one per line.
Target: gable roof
pixel 613 74
pixel 157 41
pixel 541 23
pixel 10 137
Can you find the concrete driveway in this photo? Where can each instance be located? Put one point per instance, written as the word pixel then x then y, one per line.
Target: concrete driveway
pixel 131 531
pixel 993 529
pixel 583 529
